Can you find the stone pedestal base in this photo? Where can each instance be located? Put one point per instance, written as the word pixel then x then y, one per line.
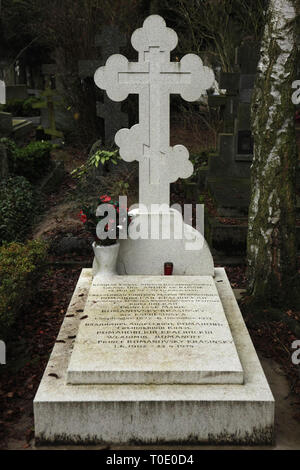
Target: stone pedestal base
pixel 159 237
pixel 154 414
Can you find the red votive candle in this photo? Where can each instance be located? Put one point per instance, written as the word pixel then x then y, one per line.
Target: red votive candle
pixel 168 269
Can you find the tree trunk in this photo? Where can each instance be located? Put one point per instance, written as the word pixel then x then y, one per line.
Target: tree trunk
pixel 272 262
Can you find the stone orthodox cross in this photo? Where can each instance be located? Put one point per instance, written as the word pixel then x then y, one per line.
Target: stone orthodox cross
pixel 154 78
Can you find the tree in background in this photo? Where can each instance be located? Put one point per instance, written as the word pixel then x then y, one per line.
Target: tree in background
pixel 216 27
pixel 64 32
pixel 18 39
pixel 272 253
pixel 69 28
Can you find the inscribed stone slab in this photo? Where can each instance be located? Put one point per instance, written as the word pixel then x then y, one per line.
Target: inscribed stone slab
pixel 157 330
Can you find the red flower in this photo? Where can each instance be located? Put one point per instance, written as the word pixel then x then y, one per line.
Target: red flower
pixel 105 198
pixel 82 217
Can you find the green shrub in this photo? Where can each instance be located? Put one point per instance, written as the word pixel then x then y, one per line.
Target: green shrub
pixel 15 107
pixel 20 268
pixel 100 157
pixel 21 108
pixel 28 110
pixel 33 160
pixel 10 145
pixel 18 205
pixel 11 148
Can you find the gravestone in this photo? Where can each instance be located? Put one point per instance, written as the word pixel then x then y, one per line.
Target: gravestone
pixel 228 176
pixel 148 142
pixel 159 326
pixel 156 358
pixel 54 115
pixel 2 92
pixel 16 92
pixel 15 128
pixel 49 105
pixel 110 41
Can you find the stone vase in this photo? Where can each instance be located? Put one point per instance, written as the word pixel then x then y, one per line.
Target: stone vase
pixel 105 260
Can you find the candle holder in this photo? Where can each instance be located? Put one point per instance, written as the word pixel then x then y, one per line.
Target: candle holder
pixel 168 269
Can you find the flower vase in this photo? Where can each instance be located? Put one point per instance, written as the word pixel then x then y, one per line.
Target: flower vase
pixel 105 261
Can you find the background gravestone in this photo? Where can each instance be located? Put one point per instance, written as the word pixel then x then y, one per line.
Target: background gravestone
pixel 228 176
pixel 2 92
pixel 63 119
pixel 16 92
pixel 110 41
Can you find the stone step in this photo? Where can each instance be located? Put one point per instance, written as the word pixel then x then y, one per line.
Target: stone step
pixel 21 128
pixel 35 120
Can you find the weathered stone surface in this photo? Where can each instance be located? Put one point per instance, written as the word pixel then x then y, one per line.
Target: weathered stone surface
pixel 217 100
pixel 247 81
pixel 229 81
pixel 155 330
pixel 223 165
pixel 21 128
pixel 16 92
pixel 243 117
pixel 152 414
pixel 246 95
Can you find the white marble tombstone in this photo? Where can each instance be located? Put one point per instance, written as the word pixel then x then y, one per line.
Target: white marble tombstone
pixel 156 359
pixel 154 77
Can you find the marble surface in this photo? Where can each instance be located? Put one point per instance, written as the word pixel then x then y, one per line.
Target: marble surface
pixel 154 77
pixel 153 414
pixel 154 330
pixel 156 238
